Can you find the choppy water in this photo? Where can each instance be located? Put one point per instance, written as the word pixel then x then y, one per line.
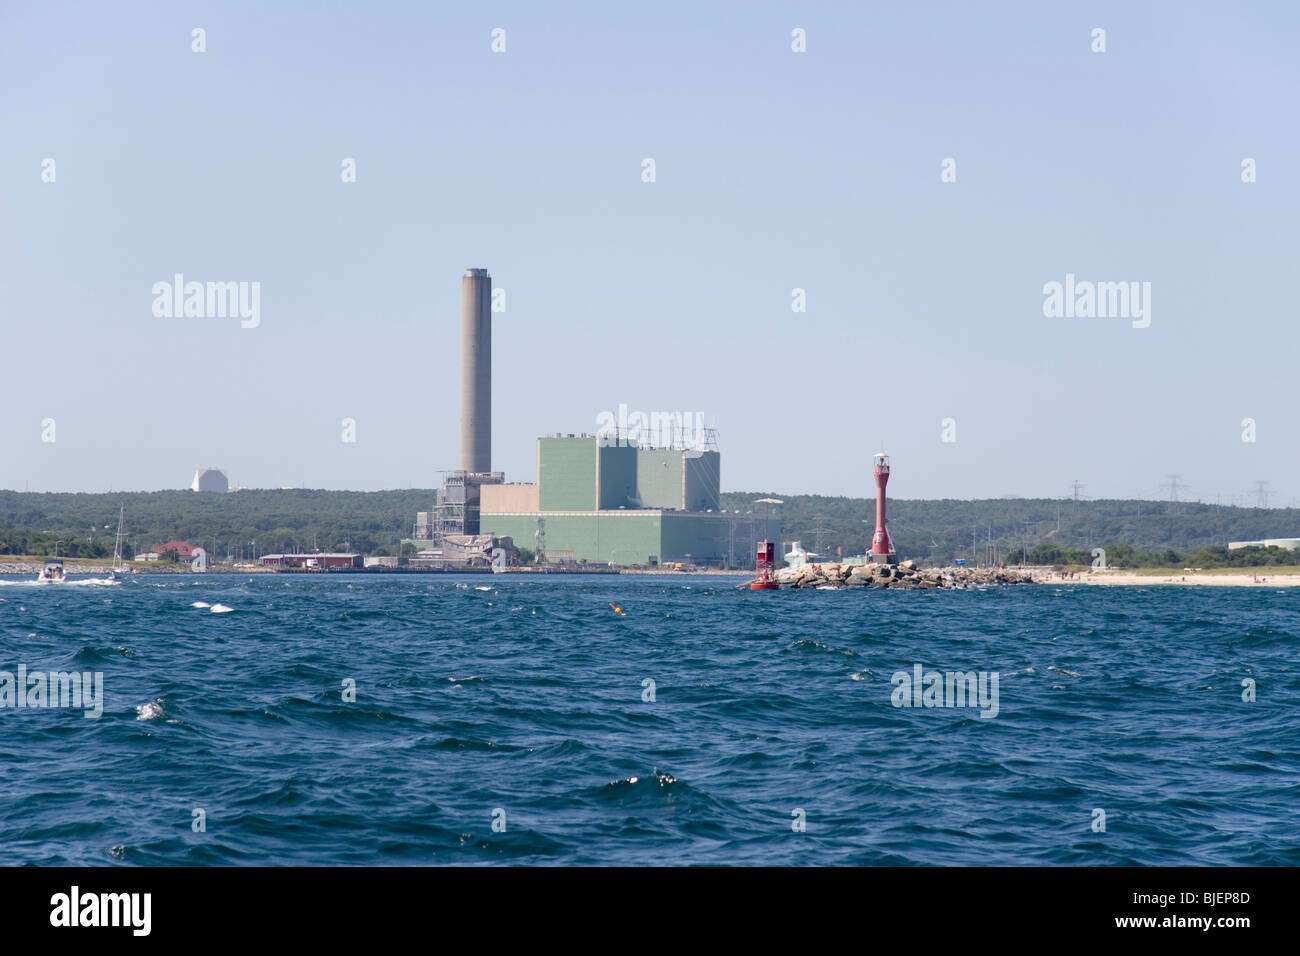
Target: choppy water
pixel 528 697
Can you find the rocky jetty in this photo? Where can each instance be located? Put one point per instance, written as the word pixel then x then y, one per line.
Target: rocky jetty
pixel 904 575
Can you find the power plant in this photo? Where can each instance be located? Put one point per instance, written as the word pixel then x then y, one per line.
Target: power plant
pixel 605 498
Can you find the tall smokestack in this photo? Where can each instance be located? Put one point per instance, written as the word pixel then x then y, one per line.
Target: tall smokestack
pixel 476 371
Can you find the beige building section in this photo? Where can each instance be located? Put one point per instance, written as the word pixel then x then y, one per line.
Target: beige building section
pixel 508 499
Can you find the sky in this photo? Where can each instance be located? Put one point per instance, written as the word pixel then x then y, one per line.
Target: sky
pixel 924 330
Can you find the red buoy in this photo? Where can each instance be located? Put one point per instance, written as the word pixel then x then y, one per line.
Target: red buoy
pixel 764 563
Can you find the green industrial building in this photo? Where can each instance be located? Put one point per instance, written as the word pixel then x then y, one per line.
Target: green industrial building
pixel 610 501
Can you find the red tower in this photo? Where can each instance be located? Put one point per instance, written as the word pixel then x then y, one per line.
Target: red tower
pixel 882 549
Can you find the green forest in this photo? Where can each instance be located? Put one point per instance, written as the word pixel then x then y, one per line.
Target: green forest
pixel 264 521
pixel 1035 530
pixel 1039 531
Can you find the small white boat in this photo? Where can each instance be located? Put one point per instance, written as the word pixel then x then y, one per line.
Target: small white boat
pixel 52 573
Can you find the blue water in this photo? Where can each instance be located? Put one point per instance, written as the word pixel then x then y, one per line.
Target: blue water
pixel 527 698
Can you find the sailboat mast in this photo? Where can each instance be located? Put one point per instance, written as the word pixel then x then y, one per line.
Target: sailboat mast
pixel 117 547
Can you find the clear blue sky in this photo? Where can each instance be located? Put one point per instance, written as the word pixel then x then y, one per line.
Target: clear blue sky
pixel 775 170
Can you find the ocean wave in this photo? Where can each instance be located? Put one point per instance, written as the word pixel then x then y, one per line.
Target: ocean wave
pixel 152 710
pixel 1108 698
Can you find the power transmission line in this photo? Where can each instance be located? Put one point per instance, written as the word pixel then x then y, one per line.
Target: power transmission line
pixel 1077 486
pixel 819 534
pixel 1173 486
pixel 1262 494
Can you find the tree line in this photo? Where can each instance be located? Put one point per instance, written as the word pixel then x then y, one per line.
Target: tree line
pixel 1012 530
pixel 1036 530
pixel 259 521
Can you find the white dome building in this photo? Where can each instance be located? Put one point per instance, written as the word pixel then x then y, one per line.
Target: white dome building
pixel 210 479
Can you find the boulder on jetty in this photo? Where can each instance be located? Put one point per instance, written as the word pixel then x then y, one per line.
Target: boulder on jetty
pixel 904 575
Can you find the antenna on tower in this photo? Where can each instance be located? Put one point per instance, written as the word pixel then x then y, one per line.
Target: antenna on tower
pixel 711 435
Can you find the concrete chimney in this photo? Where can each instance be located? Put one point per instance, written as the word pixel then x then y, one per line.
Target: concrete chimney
pixel 476 371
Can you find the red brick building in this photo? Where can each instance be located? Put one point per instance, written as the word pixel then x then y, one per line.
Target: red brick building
pixel 184 550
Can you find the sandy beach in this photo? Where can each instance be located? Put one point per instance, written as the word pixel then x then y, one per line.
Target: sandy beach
pixel 1285 578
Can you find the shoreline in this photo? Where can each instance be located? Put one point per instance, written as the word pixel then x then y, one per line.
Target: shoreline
pixel 1220 578
pixel 1269 578
pixel 33 568
pixel 102 570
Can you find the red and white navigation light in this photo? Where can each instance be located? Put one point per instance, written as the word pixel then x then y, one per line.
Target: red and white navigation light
pixel 882 549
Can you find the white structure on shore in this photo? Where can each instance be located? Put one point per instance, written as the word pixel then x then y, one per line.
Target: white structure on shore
pixel 210 479
pixel 1292 544
pixel 797 557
